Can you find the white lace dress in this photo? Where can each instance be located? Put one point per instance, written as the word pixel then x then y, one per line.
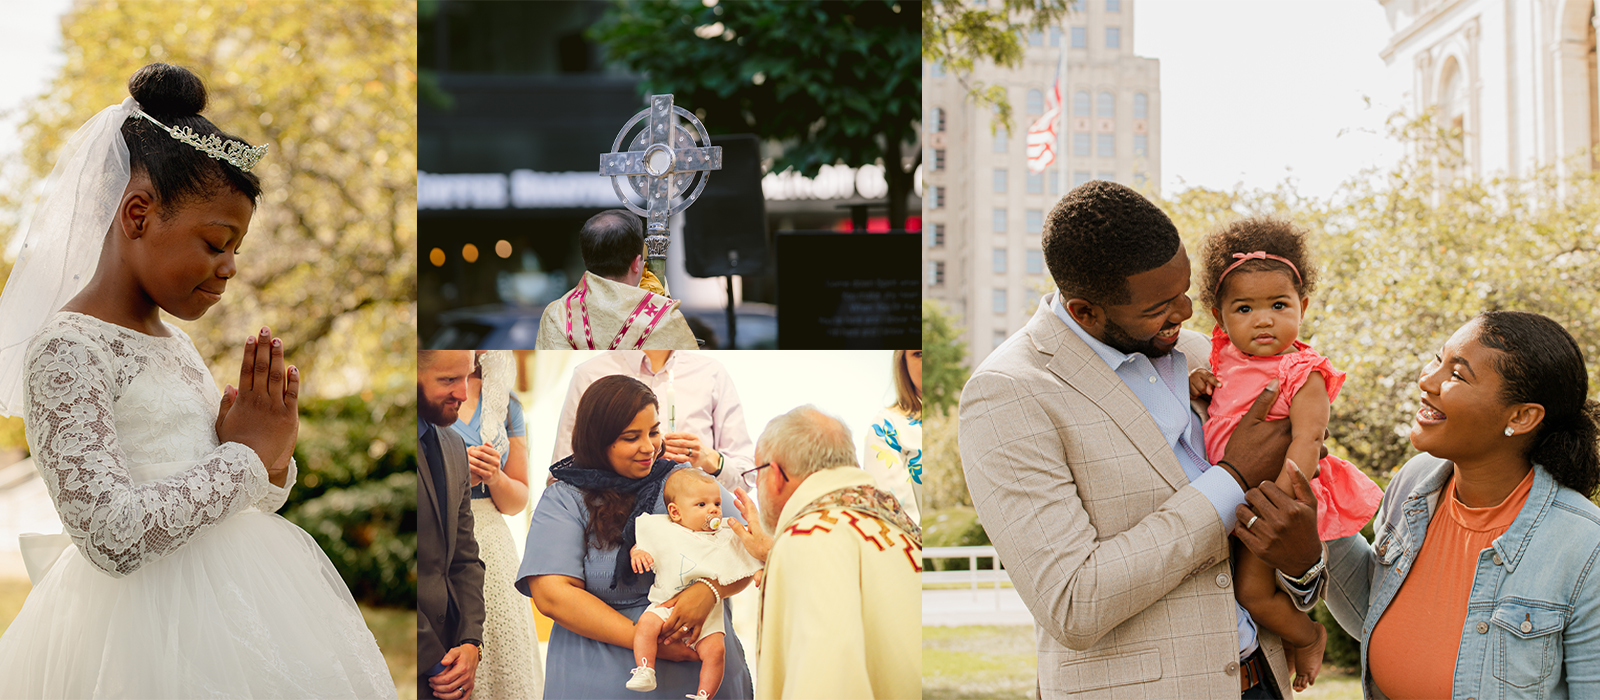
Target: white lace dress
pixel 181 581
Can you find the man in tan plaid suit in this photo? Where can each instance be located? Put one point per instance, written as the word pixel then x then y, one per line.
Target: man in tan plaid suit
pixel 1087 468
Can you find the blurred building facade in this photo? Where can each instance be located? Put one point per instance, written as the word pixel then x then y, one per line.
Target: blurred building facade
pixel 984 210
pixel 1515 80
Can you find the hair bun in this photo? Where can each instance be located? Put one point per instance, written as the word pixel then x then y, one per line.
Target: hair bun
pixel 164 89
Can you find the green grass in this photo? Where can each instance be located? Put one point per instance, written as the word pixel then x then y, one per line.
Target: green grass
pixel 396 632
pixel 961 663
pixel 394 628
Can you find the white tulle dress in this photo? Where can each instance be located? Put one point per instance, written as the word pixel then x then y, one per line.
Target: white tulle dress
pixel 180 582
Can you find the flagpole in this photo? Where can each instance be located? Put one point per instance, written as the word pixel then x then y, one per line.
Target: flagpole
pixel 1068 102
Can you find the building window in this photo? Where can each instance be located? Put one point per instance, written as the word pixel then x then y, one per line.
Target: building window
pixel 936 120
pixel 1106 105
pixel 999 305
pixel 935 273
pixel 1141 105
pixel 1141 145
pixel 938 159
pixel 1108 177
pixel 1035 183
pixel 1079 177
pixel 1035 102
pixel 1080 103
pixel 937 200
pixel 999 180
pixel 1035 263
pixel 1055 183
pixel 999 337
pixel 1055 36
pixel 999 220
pixel 1033 221
pixel 1036 37
pixel 1113 5
pixel 1080 37
pixel 999 261
pixel 1113 37
pixel 1105 145
pixel 1080 143
pixel 1000 137
pixel 936 236
pixel 1138 179
pixel 936 70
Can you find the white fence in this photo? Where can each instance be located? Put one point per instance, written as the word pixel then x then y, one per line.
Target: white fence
pixel 973 575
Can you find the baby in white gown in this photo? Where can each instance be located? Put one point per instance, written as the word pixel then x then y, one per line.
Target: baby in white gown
pixel 687 544
pixel 179 580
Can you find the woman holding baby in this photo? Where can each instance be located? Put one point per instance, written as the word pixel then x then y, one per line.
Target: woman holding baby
pixel 577 566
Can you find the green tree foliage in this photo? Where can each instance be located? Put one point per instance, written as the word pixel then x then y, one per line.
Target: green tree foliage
pixel 962 34
pixel 944 357
pixel 330 259
pixel 836 81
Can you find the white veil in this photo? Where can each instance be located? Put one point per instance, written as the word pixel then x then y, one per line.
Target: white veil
pixel 61 246
pixel 494 398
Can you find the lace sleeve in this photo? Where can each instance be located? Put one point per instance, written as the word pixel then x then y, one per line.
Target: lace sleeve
pixel 275 497
pixel 120 526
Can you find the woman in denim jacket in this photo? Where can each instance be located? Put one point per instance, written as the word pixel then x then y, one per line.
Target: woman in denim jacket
pixel 1499 596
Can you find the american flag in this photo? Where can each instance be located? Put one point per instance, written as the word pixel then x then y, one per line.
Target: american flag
pixel 1042 134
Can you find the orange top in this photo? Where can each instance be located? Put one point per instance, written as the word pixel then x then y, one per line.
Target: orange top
pixel 1412 651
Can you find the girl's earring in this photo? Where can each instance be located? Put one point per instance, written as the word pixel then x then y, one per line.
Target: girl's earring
pixel 1509 431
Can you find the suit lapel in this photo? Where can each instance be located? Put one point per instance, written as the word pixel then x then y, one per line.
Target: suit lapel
pixel 1077 364
pixel 425 483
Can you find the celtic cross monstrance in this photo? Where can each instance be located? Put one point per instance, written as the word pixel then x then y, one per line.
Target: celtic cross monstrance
pixel 663 160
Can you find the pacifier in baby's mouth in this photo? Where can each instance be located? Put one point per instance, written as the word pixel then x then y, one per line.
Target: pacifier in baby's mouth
pixel 716 524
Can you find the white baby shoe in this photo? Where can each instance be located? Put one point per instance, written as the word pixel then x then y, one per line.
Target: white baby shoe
pixel 698 696
pixel 644 678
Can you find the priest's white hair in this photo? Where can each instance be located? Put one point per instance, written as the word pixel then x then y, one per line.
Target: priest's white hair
pixel 807 440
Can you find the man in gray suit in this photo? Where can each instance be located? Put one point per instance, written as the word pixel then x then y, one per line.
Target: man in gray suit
pixel 1088 470
pixel 449 572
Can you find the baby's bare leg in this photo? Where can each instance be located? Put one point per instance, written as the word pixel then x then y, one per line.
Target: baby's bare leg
pixel 1257 591
pixel 710 650
pixel 644 638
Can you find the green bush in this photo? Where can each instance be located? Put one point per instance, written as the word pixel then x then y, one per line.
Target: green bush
pixel 357 493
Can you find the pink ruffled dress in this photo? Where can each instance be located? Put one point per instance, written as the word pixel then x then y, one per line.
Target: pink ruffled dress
pixel 1346 498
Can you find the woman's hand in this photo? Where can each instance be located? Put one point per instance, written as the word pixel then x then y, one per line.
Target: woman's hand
pixel 484 462
pixel 755 539
pixel 642 561
pixel 689 610
pixel 264 412
pixel 688 447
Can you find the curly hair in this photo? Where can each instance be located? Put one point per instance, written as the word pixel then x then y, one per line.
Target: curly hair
pixel 1101 234
pixel 1269 234
pixel 1541 363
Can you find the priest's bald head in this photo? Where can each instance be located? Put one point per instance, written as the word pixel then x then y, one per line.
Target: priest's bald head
pixel 612 244
pixel 798 444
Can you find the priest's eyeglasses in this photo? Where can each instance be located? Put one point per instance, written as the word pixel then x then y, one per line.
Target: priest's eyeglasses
pixel 748 474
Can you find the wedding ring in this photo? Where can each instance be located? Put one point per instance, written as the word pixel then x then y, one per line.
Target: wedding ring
pixel 1253 520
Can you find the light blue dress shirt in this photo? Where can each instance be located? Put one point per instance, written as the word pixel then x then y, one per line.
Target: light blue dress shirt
pixel 1162 385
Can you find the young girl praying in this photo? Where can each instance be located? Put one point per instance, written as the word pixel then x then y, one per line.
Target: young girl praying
pixel 174 578
pixel 1256 278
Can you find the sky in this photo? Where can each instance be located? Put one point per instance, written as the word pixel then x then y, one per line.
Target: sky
pixel 1257 91
pixel 31 36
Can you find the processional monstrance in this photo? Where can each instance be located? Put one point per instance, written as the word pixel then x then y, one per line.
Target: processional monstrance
pixel 662 162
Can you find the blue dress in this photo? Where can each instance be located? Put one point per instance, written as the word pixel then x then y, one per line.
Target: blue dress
pixel 580 667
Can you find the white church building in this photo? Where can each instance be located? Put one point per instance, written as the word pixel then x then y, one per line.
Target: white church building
pixel 1517 78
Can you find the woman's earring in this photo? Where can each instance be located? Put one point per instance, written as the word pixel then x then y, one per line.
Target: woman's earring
pixel 1509 431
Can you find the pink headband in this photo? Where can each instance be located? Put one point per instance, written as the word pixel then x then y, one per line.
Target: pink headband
pixel 1243 258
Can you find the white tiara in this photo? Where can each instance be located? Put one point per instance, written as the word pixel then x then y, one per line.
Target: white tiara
pixel 240 155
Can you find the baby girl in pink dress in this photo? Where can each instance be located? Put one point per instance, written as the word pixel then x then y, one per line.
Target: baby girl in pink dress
pixel 1256 278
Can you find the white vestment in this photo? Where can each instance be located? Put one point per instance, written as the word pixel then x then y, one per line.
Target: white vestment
pixel 600 314
pixel 841 604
